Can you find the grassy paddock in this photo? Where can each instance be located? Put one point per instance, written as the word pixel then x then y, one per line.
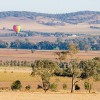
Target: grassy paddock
pixel 27 55
pixel 10 74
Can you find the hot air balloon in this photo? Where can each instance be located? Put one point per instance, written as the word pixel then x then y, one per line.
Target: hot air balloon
pixel 17 28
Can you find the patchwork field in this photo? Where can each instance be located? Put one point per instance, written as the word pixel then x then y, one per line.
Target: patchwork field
pixel 22 55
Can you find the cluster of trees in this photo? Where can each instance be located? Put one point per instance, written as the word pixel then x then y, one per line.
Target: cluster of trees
pixel 16 63
pixel 88 70
pixel 90 43
pixel 95 27
pixel 3 44
pixel 66 66
pixel 34 33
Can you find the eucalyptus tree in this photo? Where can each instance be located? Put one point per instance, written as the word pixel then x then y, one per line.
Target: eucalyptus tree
pixel 72 66
pixel 90 71
pixel 45 69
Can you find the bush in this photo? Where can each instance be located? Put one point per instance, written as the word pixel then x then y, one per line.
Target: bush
pixel 28 87
pixel 77 87
pixel 32 51
pixel 53 87
pixel 64 86
pixel 87 85
pixel 39 87
pixel 16 85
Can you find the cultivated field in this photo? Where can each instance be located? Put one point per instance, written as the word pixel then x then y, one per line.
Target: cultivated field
pixel 22 55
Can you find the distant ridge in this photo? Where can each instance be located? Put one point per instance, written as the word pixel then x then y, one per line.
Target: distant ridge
pixel 90 17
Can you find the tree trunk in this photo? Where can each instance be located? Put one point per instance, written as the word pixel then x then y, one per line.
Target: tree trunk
pixel 89 90
pixel 72 88
pixel 89 86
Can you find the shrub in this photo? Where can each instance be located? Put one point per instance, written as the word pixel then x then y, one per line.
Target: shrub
pixel 53 87
pixel 16 85
pixel 32 51
pixel 87 85
pixel 39 87
pixel 64 86
pixel 77 87
pixel 28 87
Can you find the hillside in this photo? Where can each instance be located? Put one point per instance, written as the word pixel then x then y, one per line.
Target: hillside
pixel 83 21
pixel 90 17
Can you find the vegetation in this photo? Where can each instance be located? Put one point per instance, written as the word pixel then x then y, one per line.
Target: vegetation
pixel 3 44
pixel 86 43
pixel 28 87
pixel 16 63
pixel 90 69
pixel 53 87
pixel 79 17
pixel 16 85
pixel 69 66
pixel 45 69
pixel 77 87
pixel 87 86
pixel 64 86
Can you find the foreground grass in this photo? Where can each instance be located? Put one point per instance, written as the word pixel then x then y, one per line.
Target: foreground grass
pixel 27 77
pixel 42 96
pixel 10 74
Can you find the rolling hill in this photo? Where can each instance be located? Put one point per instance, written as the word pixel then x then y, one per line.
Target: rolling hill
pixel 83 21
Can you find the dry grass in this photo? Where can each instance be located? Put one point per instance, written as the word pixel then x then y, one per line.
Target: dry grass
pixel 9 74
pixel 42 96
pixel 28 24
pixel 11 54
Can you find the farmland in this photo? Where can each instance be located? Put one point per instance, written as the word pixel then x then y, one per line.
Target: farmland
pixel 9 74
pixel 22 55
pixel 43 36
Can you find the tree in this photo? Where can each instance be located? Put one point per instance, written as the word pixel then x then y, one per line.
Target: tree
pixel 62 56
pixel 75 72
pixel 73 49
pixel 72 68
pixel 87 48
pixel 90 71
pixel 97 58
pixel 45 69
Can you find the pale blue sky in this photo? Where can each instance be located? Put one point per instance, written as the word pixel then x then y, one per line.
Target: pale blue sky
pixel 50 6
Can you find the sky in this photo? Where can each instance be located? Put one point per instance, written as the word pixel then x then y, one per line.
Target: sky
pixel 50 6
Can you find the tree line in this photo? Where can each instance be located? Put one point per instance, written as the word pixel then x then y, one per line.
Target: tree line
pixel 89 43
pixel 14 63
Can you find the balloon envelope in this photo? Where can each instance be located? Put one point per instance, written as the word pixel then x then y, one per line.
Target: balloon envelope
pixel 17 28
